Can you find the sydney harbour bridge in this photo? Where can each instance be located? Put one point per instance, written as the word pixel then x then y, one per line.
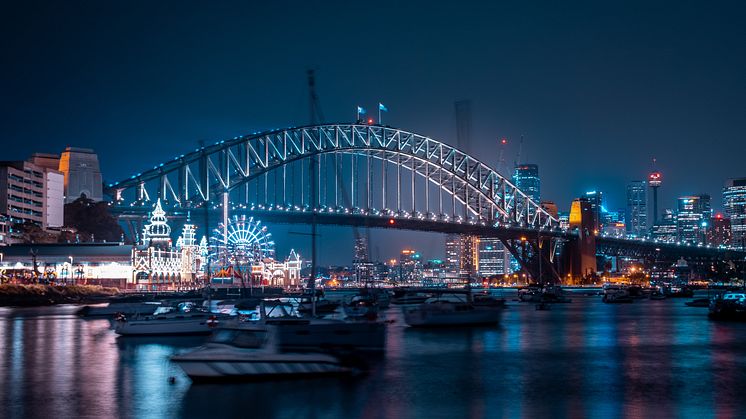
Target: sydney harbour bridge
pixel 378 176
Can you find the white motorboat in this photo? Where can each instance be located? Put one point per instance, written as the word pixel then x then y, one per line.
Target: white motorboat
pixel 450 310
pixel 253 353
pixel 168 321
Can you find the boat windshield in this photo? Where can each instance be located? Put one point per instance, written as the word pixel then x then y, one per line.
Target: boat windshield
pixel 240 338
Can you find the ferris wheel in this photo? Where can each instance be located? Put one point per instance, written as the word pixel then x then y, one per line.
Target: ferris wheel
pixel 242 240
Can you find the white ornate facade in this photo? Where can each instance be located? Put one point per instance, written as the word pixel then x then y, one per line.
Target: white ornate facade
pixel 157 265
pixel 279 274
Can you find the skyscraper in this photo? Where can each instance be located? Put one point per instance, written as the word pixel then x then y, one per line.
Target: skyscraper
pixel 637 209
pixel 526 178
pixel 596 200
pixel 655 180
pixel 493 258
pixel 693 211
pixel 719 231
pixel 734 201
pixel 460 254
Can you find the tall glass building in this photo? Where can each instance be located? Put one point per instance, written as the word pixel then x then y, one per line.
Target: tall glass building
pixel 637 208
pixel 526 178
pixel 693 214
pixel 734 201
pixel 493 258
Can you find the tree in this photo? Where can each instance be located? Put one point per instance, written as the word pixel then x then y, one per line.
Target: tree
pixel 32 233
pixel 92 220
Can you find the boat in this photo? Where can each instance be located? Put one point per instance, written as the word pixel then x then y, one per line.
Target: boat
pixel 484 299
pixel 410 297
pixel 450 310
pixel 313 334
pixel 180 320
pixel 730 306
pixel 323 306
pixel 254 353
pixel 657 295
pixel 616 294
pixel 361 307
pixel 536 294
pixel 698 302
pixel 111 309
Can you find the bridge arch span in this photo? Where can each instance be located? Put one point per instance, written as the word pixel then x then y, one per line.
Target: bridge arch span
pixel 370 169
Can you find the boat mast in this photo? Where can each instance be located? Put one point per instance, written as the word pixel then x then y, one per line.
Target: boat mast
pixel 315 114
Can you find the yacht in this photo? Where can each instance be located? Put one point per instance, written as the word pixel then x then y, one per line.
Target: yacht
pixel 310 334
pixel 253 353
pixel 361 307
pixel 450 310
pixel 616 294
pixel 112 309
pixel 729 306
pixel 181 320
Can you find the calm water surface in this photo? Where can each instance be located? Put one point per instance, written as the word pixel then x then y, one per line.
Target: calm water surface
pixel 584 359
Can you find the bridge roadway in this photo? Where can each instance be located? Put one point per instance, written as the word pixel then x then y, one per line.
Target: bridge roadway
pixel 605 246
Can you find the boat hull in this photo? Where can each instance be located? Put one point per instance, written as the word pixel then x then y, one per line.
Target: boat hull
pixel 163 328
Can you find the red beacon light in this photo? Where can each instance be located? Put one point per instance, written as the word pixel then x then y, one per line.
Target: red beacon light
pixel 391 221
pixel 655 179
pixel 370 121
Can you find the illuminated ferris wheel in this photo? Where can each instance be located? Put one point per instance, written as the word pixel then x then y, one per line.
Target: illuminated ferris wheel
pixel 242 240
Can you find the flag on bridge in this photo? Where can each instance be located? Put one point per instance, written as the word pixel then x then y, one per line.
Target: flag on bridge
pixel 381 108
pixel 360 111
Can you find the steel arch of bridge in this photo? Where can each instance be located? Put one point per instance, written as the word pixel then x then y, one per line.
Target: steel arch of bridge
pixel 479 195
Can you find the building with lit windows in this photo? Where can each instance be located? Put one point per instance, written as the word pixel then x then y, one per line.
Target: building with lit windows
pixel 31 193
pixel 718 231
pixel 526 178
pixel 692 216
pixel 361 263
pixel 734 202
pixel 636 219
pixel 493 258
pixel 597 202
pixel 665 230
pixel 410 266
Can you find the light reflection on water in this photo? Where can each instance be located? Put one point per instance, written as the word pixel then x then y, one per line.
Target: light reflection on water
pixel 584 359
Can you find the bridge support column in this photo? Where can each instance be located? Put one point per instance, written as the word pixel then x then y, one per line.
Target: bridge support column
pixel 581 255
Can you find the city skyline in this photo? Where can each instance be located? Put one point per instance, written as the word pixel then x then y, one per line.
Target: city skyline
pixel 592 116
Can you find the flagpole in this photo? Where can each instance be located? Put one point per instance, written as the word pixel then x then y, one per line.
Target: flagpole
pixel 379 115
pixel 358 115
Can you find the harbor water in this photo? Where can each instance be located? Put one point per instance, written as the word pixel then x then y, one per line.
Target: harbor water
pixel 585 359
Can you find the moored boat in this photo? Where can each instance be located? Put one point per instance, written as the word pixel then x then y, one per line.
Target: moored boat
pixel 730 306
pixel 168 321
pixel 254 353
pixel 450 310
pixel 616 294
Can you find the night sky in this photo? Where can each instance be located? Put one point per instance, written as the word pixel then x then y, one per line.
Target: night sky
pixel 598 89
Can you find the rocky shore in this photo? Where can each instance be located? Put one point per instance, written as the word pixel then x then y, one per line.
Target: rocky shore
pixel 44 295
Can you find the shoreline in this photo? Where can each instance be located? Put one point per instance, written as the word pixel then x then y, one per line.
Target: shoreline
pixel 37 295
